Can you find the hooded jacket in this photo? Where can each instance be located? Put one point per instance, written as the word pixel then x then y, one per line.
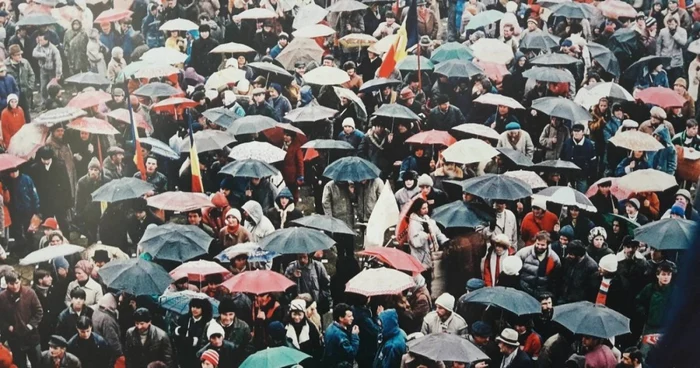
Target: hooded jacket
pixel 423 236
pixel 105 323
pixel 393 341
pixel 665 160
pixel 280 217
pixel 260 226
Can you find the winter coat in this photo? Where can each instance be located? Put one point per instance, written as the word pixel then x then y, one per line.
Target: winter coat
pixel 12 121
pixel 665 160
pixel 87 210
pixel 375 149
pixel 531 226
pixel 582 154
pixel 48 57
pixel 93 291
pixel 114 68
pixel 600 357
pixel 281 106
pixel 65 325
pixel 159 181
pixel 672 45
pixel 523 145
pixel 156 348
pixel 75 49
pixel 455 324
pixel 53 187
pixel 424 236
pixel 149 27
pixel 264 193
pixel 260 226
pixel 238 333
pixel 393 341
pixel 678 140
pixel 337 202
pixel 242 235
pixel 96 58
pixel 353 138
pixel 341 347
pixel 369 335
pixel 8 86
pixel 536 277
pixel 293 167
pixel 64 157
pixel 230 355
pixel 604 204
pixel 23 312
pixel 23 194
pixel 93 352
pixel 204 65
pixel 552 150
pixel 110 170
pixel 582 228
pixel 313 280
pixel 188 338
pixel 622 169
pixel 23 73
pixel 447 120
pixel 69 361
pixel 281 217
pixel 580 281
pixel 652 303
pixel 597 253
pixel 105 323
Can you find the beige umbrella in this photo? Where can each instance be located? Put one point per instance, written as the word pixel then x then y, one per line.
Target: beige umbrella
pixel 384 44
pixel 636 141
pixel 478 130
pixel 257 13
pixel 469 151
pixel 326 76
pixel 492 50
pixel 224 77
pixel 357 40
pixel 309 14
pixel 299 50
pixel 647 180
pixel 179 24
pixel 232 48
pixel 313 31
pixel 499 100
pixel 352 96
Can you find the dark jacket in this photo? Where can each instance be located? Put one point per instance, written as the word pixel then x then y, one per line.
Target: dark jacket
pixel 203 63
pixel 665 160
pixel 8 85
pixel 23 194
pixel 237 333
pixel 86 209
pixel 68 361
pixel 136 228
pixel 369 334
pixel 53 187
pixel 230 355
pixel 156 348
pixel 65 326
pixel 158 180
pixel 263 109
pixel 521 360
pixel 580 280
pixel 188 338
pixel 604 204
pixel 375 149
pixel 341 347
pixel 149 28
pixel 393 341
pixel 582 155
pixel 93 352
pixel 354 138
pixel 23 312
pixel 445 121
pixel 105 323
pixel 652 304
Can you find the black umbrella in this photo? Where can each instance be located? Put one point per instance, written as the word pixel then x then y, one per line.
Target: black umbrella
pixel 249 169
pixel 539 40
pixel 156 90
pixel 567 196
pixel 272 72
pixel 586 318
pixel 513 300
pixel 352 169
pixel 89 79
pixel 121 189
pixel 251 124
pixel 328 144
pixel 296 240
pixel 446 347
pixel 497 187
pixel 377 84
pixel 36 19
pixel 221 116
pixel 325 223
pixel 573 10
pixel 558 166
pixel 516 157
pixel 460 214
pixel 554 59
pixel 668 234
pixel 562 108
pixel 638 66
pixel 627 45
pixel 309 114
pixel 173 242
pixel 552 75
pixel 605 57
pixel 458 69
pixel 396 111
pixel 135 276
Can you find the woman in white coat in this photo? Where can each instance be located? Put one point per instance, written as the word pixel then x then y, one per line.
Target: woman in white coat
pixel 424 236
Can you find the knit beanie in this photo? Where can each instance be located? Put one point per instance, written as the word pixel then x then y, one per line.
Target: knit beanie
pixel 235 213
pixel 446 301
pixel 210 356
pixel 94 164
pixel 425 180
pixel 677 210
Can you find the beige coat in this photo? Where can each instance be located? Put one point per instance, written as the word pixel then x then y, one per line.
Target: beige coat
pixel 694 78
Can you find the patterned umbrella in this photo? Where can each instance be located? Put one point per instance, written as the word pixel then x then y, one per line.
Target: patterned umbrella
pixel 249 169
pixel 379 281
pixel 309 14
pixel 179 201
pixel 85 100
pixel 179 301
pixel 199 269
pixel 634 140
pixel 251 124
pixel 59 115
pixel 258 282
pixel 92 126
pixel 261 151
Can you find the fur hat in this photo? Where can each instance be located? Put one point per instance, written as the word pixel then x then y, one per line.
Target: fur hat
pixel 425 180
pixel 597 231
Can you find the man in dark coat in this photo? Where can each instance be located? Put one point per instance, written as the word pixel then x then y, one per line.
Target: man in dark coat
pixel 139 222
pixel 580 151
pixel 172 10
pixel 89 347
pixel 51 302
pixel 580 280
pixel 604 200
pixel 155 348
pixel 87 211
pixel 201 62
pixel 57 356
pixel 20 315
pixel 65 327
pixel 512 356
pixel 105 323
pixel 53 186
pixel 293 168
pixel 259 106
pixel 444 116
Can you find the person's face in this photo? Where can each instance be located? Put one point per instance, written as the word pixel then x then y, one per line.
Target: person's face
pixel 520 328
pixel 664 277
pixel 626 360
pixel 327 62
pixel 56 240
pixel 500 206
pixel 93 173
pixel 206 364
pixel 563 240
pixel 442 312
pixel 424 209
pixel 507 32
pixel 140 215
pixel 540 246
pixel 297 316
pixel 531 26
pixel 546 304
pixel 444 106
pixel 458 365
pixel 77 303
pixel 80 275
pixel 605 190
pixel 598 241
pixel 390 21
pixel 46 281
pixel 204 35
pixel 500 249
pixel 681 200
pixel 630 209
pixel 672 7
pixel 616 227
pixel 425 189
pixel 241 61
pixel 151 165
pixel 227 318
pixel 273 93
pixel 574 211
pixel 351 72
pixel 303 259
pixel 481 340
pixel 587 342
pixel 504 348
pixel 629 251
pixel 240 262
pixel 231 220
pixel 262 299
pixel 142 326
pixel 14 287
pixel 513 134
pixel 691 131
pixel 578 135
pixel 502 110
pixel 603 105
pixel 56 352
pixel 537 212
pixel 347 319
pixel 287 138
pixel 348 129
pixel 196 311
pixel 58 133
pixel 259 98
pixel 118 98
pixel 16 57
pixel 193 218
pixel 14 174
pixel 85 334
pixel 419 152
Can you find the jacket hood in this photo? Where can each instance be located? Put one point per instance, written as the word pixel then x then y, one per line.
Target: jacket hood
pixel 284 193
pixel 662 132
pixel 567 231
pixel 254 210
pixel 219 200
pixel 307 95
pixel 390 323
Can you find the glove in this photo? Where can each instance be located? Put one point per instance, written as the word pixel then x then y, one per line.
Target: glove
pixel 194 341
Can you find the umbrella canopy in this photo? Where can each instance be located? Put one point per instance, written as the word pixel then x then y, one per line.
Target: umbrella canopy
pixel 232 48
pixel 326 76
pixel 532 179
pixel 121 189
pixel 469 151
pixel 249 169
pixel 494 71
pixel 451 51
pixel 258 282
pixel 567 197
pixel 159 54
pixel 614 188
pixel 552 75
pixel 309 14
pixel 694 47
pixel 539 40
pixel 588 97
pixel 629 224
pixel 221 116
pixel 479 130
pixel 270 70
pixel 325 223
pixel 179 301
pixel 89 79
pixel 199 269
pixel 257 13
pixel 615 9
pixel 561 108
pixel 646 63
pixel 59 115
pixel 313 31
pixel 384 44
pixel 458 69
pixel 173 242
pixel 92 126
pixel 207 140
pixel 554 59
pixel 396 111
pixel 515 301
pixel 299 50
pixel 179 201
pixel 281 356
pixel 173 105
pixel 250 250
pixel 484 18
pixel 346 6
pixel 123 116
pixel 310 113
pixel 460 214
pixel 499 100
pixel 516 157
pixel 647 180
pixel 251 124
pixel 156 90
pixel 661 96
pixel 573 10
pixel 668 234
pixel 48 253
pixel 135 276
pixel 360 108
pixel 446 347
pixel 395 258
pixel 497 187
pixel 148 70
pixel 28 140
pixel 10 161
pixel 432 137
pixel 605 57
pixel 112 15
pixel 224 78
pixel 377 84
pixel 296 240
pixel 379 281
pixel 353 169
pixel 556 166
pixel 114 253
pixel 415 62
pixel 261 151
pixel 36 19
pixel 357 40
pixel 586 318
pixel 635 140
pixel 492 50
pixel 159 148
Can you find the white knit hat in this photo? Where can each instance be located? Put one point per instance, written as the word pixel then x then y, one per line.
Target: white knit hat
pixel 609 263
pixel 297 305
pixel 425 180
pixel 348 122
pixel 446 301
pixel 215 328
pixel 512 265
pixel 235 213
pixel 539 202
pixel 500 239
pixel 11 97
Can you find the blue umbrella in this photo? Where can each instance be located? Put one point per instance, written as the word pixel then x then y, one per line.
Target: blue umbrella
pixel 411 62
pixel 278 357
pixel 586 318
pixel 179 302
pixel 352 169
pixel 121 189
pixel 461 214
pixel 255 254
pixel 221 116
pixel 249 169
pixel 296 240
pixel 451 51
pixel 512 300
pixel 135 276
pixel 484 18
pixel 175 242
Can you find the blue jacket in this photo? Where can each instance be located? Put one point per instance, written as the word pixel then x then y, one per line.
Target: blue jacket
pixel 127 42
pixel 154 38
pixel 611 127
pixel 275 51
pixel 665 160
pixel 369 334
pixel 393 341
pixel 354 138
pixel 23 196
pixel 647 80
pixel 640 165
pixel 582 155
pixel 341 346
pixel 8 85
pixel 281 105
pixel 109 40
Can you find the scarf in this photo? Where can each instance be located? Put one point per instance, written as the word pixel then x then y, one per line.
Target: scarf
pixel 373 138
pixel 603 291
pixel 235 229
pixel 283 213
pixel 303 335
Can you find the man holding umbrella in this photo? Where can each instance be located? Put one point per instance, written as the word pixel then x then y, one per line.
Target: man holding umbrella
pixel 512 355
pixel 52 186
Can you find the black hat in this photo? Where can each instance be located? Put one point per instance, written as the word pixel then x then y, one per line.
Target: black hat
pixel 101 255
pixel 45 153
pixel 409 175
pixel 481 329
pixel 441 99
pixel 58 341
pixel 578 127
pixel 204 28
pixel 328 57
pixel 576 248
pixel 142 315
pixel 226 306
pixel 139 205
pixel 300 64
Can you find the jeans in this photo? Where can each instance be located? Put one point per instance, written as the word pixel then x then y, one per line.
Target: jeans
pixel 45 76
pixel 581 185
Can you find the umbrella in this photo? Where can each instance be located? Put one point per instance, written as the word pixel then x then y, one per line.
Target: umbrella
pixel 221 116
pixel 310 113
pixel 355 40
pixel 460 214
pixel 251 124
pixel 614 188
pixel 296 240
pixel 281 356
pixel 179 201
pixel 173 242
pixel 10 161
pixel 497 187
pixel 384 44
pixel 352 169
pixel 201 269
pixel 694 47
pixel 432 137
pixel 377 84
pixel 257 13
pixel 631 225
pixel 492 50
pixel 309 14
pixel 556 166
pixel 605 57
pixel 299 50
pixel 59 115
pixel 379 281
pixel 121 189
pixel 668 234
pixel 224 78
pixel 415 62
pixel 458 69
pixel 615 9
pixel 149 71
pixel 85 100
pixel 494 71
pixel 561 108
pixel 249 169
pixel 326 223
pixel 396 111
pixel 271 70
pixel 661 96
pixel 499 100
pixel 451 51
pixel 515 301
pixel 232 48
pixel 178 24
pixel 174 105
pixel 135 276
pixel 113 252
pixel 179 301
pixel 586 318
pixel 469 151
pixel 647 180
pixel 552 75
pixel 156 90
pixel 261 151
pixel 635 140
pixel 36 19
pixel 478 130
pixel 158 54
pixel 446 347
pixel 28 140
pixel 207 140
pixel 346 6
pixel 566 196
pixel 484 18
pixel 251 250
pixel 516 157
pixel 48 253
pixel 539 40
pixel 643 64
pixel 313 31
pixel 361 110
pixel 89 79
pixel 92 126
pixel 112 15
pixel 589 96
pixel 258 282
pixel 532 179
pixel 395 258
pixel 326 76
pixel 573 10
pixel 159 148
pixel 554 59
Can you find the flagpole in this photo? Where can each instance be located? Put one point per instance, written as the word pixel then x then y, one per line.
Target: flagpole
pixel 420 77
pixel 138 159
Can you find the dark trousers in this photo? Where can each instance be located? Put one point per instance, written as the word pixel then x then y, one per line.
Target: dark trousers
pixel 20 356
pixel 25 98
pixel 18 231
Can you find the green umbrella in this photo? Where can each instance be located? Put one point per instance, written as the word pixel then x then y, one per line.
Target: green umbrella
pixel 484 19
pixel 278 357
pixel 410 63
pixel 135 276
pixel 629 224
pixel 296 240
pixel 451 51
pixel 249 169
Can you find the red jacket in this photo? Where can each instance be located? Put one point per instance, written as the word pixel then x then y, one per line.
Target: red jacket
pixel 12 120
pixel 293 163
pixel 530 226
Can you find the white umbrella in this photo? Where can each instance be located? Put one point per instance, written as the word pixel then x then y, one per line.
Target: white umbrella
pixel 496 100
pixel 588 97
pixel 232 48
pixel 313 31
pixel 384 44
pixel 158 54
pixel 206 140
pixel 350 95
pixel 635 140
pixel 261 151
pixel 479 130
pixel 309 14
pixel 179 24
pixel 48 253
pixel 647 180
pixel 379 281
pixel 326 76
pixel 224 77
pixel 257 13
pixel 492 50
pixel 567 197
pixel 469 151
pixel 531 178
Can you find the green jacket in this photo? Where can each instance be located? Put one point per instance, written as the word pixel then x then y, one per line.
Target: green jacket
pixel 652 302
pixel 23 74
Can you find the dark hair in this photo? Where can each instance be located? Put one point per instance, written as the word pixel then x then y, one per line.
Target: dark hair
pixel 83 323
pixel 153 157
pixel 78 293
pixel 691 123
pixel 575 28
pixel 142 315
pixel 543 235
pixel 38 275
pixel 11 277
pixel 509 26
pixel 576 248
pixel 389 15
pixel 663 267
pixel 197 211
pixel 416 205
pixel 340 310
pixel 635 354
pixel 545 295
pixel 349 65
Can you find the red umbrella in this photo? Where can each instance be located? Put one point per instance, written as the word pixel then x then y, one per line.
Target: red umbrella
pixel 113 15
pixel 92 126
pixel 10 161
pixel 174 105
pixel 86 100
pixel 432 137
pixel 492 70
pixel 275 135
pixel 661 96
pixel 393 257
pixel 615 189
pixel 122 115
pixel 258 282
pixel 179 201
pixel 197 271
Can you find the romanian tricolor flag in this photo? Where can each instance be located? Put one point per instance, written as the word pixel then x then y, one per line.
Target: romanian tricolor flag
pixel 197 186
pixel 407 37
pixel 138 155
